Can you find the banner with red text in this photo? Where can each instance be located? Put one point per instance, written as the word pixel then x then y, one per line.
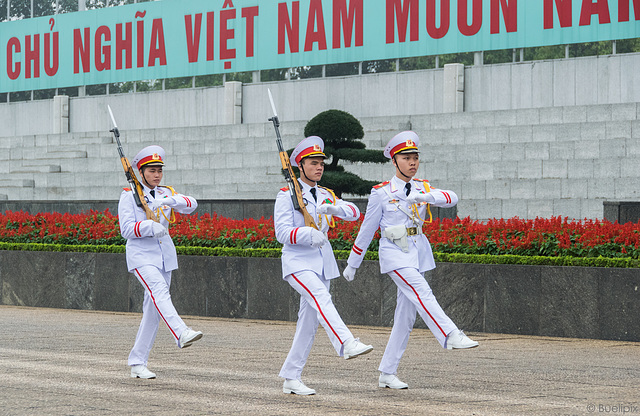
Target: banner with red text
pixel 174 38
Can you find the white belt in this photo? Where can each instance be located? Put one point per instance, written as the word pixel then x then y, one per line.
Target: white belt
pixel 398 235
pixel 410 231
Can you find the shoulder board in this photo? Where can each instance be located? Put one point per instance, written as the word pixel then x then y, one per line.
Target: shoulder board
pixel 286 188
pixel 173 192
pixel 333 194
pixel 325 188
pixel 425 183
pixel 380 185
pixel 126 189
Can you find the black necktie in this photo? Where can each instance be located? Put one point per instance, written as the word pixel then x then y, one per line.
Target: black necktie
pixel 408 188
pixel 313 192
pixel 153 193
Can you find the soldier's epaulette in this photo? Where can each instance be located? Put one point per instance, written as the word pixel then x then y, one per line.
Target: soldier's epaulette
pixel 333 194
pixel 420 180
pixel 286 188
pixel 126 189
pixel 173 192
pixel 380 185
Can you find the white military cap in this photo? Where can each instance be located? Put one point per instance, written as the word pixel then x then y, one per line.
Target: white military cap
pixel 149 156
pixel 312 146
pixel 405 142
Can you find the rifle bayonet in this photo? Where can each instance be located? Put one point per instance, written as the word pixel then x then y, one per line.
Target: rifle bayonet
pixel 134 183
pixel 287 171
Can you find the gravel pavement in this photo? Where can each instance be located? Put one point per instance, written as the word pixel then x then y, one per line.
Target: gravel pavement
pixel 72 362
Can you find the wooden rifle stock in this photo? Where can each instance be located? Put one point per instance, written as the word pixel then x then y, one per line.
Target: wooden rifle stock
pixel 296 192
pixel 289 175
pixel 137 189
pixel 134 183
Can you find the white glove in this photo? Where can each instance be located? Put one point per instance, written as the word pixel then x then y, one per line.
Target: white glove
pixel 328 209
pixel 168 201
pixel 416 198
pixel 158 230
pixel 349 273
pixel 317 238
pixel 154 205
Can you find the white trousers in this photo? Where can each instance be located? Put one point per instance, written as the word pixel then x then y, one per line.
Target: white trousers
pixel 414 295
pixel 156 306
pixel 316 307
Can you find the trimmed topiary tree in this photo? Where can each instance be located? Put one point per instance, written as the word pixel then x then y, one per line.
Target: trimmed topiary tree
pixel 342 134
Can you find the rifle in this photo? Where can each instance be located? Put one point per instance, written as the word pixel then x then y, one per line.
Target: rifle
pixel 136 187
pixel 287 171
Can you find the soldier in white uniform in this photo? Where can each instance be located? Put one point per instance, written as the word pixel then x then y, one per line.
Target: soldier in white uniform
pixel 308 263
pixel 151 256
pixel 399 208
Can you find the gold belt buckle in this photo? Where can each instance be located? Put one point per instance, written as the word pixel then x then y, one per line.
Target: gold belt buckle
pixel 412 231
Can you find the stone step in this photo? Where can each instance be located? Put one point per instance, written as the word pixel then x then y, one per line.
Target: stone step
pixel 3 197
pixel 76 154
pixel 73 139
pixel 36 162
pixel 37 169
pixel 17 183
pixel 80 192
pixel 34 157
pixel 92 140
pixel 520 117
pixel 67 148
pixel 593 133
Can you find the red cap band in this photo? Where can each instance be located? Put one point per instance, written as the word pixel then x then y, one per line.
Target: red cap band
pixel 409 144
pixel 154 158
pixel 313 150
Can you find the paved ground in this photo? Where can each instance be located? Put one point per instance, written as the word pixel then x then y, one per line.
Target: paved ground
pixel 69 362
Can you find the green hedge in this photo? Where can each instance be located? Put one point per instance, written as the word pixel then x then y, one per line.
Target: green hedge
pixel 74 248
pixel 342 254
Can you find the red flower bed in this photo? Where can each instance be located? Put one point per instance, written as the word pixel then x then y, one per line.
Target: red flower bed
pixel 93 228
pixel 540 237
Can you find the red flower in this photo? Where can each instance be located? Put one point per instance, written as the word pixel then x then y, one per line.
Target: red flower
pixel 554 236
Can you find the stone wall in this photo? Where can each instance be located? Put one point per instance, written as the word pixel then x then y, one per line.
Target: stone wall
pixel 563 161
pixel 536 139
pixel 580 302
pixel 595 80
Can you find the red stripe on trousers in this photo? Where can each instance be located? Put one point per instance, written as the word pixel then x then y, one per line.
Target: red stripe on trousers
pixel 420 300
pixel 318 305
pixel 155 304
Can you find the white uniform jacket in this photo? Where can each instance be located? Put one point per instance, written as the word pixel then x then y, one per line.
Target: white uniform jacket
pixel 297 253
pixel 385 209
pixel 142 248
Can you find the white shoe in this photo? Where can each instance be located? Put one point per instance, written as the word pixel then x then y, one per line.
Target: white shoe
pixel 353 348
pixel 391 381
pixel 296 387
pixel 141 371
pixel 188 337
pixel 458 340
